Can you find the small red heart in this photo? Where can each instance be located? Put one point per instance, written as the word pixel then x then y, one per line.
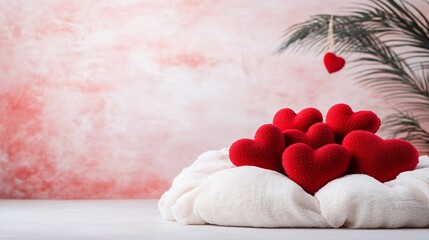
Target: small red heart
pixel 312 169
pixel 333 63
pixel 343 120
pixel 264 152
pixel 317 136
pixel 286 119
pixel 378 158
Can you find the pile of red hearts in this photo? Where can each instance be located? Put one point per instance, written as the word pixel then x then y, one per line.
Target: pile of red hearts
pixel 313 153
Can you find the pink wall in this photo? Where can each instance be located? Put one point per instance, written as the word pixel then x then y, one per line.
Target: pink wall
pixel 111 99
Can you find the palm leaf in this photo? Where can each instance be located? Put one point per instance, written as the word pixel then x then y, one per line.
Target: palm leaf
pixel 391 39
pixel 406 126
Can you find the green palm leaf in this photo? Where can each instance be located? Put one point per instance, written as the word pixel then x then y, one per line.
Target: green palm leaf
pixel 391 39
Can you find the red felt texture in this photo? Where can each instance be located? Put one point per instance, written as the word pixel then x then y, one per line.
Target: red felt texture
pixel 286 119
pixel 264 151
pixel 343 120
pixel 333 63
pixel 318 135
pixel 313 153
pixel 312 169
pixel 382 159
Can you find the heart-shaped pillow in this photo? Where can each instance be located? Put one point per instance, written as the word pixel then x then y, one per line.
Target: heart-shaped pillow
pixel 318 135
pixel 312 169
pixel 343 120
pixel 265 151
pixel 333 63
pixel 286 119
pixel 378 158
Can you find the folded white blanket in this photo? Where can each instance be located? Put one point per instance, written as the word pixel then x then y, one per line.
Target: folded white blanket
pixel 214 191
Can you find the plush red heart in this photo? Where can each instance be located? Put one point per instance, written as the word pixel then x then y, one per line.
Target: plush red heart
pixel 286 119
pixel 378 158
pixel 318 135
pixel 312 169
pixel 343 120
pixel 333 63
pixel 265 151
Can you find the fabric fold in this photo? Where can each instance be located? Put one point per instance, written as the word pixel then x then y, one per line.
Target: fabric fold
pixel 213 191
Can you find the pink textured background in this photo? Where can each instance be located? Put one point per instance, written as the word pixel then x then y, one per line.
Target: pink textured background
pixel 111 99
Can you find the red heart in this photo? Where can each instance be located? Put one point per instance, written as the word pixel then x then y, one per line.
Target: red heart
pixel 333 63
pixel 343 120
pixel 265 151
pixel 378 158
pixel 312 169
pixel 286 119
pixel 317 136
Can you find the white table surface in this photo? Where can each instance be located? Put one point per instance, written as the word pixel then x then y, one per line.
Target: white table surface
pixel 140 219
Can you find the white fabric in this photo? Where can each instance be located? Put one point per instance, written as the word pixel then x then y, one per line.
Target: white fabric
pixel 213 191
